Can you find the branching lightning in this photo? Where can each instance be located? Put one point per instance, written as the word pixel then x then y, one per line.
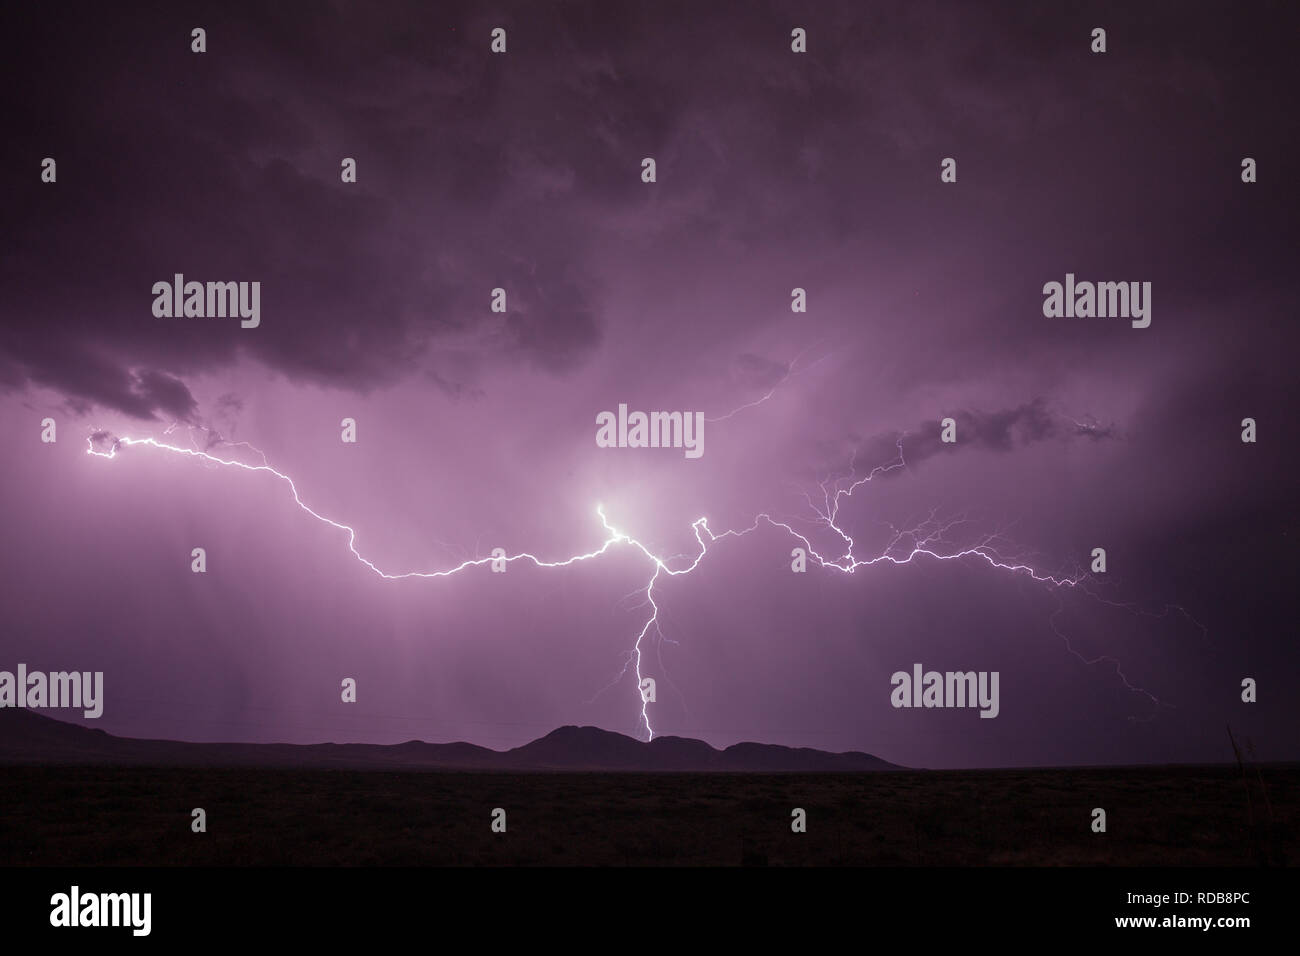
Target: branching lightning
pixel 926 541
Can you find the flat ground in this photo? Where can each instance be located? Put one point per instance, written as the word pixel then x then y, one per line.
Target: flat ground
pixel 91 816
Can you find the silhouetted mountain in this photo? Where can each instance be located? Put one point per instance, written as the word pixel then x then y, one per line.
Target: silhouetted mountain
pixel 30 738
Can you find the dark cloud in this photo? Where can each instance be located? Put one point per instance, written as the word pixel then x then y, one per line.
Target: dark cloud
pixel 471 164
pixel 164 394
pixel 86 376
pixel 1001 431
pixel 550 318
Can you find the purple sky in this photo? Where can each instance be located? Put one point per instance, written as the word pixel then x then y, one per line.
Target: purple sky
pixel 477 430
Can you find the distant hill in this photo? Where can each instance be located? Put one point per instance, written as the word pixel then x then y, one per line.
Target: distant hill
pixel 31 738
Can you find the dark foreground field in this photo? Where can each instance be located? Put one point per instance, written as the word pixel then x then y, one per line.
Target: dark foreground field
pixel 76 816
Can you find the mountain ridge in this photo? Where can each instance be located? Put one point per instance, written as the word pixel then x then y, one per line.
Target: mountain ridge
pixel 30 738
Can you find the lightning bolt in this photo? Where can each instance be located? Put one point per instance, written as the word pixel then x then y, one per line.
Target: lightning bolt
pixel 925 541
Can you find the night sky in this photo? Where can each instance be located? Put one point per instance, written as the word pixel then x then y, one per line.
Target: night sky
pixel 476 429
